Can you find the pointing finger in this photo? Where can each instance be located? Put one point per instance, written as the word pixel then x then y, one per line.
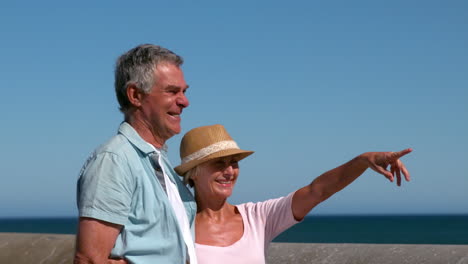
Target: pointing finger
pixel 399 154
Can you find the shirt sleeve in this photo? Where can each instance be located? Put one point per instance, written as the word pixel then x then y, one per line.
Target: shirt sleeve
pixel 278 216
pixel 104 189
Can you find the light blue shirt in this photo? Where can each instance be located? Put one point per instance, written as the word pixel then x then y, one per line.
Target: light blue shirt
pixel 118 184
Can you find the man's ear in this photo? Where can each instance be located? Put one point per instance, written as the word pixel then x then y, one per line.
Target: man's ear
pixel 134 95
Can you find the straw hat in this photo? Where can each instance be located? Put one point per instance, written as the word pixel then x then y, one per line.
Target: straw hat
pixel 206 143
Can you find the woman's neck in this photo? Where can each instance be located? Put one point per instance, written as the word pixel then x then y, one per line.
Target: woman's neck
pixel 214 209
pixel 218 224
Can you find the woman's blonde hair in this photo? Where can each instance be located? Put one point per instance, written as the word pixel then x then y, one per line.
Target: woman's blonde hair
pixel 189 174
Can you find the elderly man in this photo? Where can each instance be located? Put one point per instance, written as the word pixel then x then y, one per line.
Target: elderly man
pixel 132 206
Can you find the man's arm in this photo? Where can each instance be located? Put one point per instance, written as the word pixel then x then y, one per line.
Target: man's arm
pixel 338 178
pixel 95 240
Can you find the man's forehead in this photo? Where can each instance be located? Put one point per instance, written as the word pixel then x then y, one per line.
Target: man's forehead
pixel 171 74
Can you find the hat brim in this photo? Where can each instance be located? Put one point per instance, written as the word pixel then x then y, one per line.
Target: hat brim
pixel 183 168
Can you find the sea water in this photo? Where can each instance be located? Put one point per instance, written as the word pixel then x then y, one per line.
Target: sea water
pixel 382 229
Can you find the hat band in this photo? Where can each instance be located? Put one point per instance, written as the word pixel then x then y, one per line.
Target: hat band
pixel 218 146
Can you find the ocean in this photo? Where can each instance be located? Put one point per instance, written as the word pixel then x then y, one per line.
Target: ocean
pixel 381 229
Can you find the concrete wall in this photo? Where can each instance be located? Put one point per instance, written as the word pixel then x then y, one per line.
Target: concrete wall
pixel 366 253
pixel 16 248
pixel 21 248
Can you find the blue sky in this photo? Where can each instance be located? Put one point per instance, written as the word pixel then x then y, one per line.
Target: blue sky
pixel 308 85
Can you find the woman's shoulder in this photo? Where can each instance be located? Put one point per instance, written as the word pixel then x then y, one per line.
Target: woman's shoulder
pixel 267 203
pixel 265 207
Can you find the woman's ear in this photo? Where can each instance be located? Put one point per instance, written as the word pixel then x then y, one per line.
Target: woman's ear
pixel 193 176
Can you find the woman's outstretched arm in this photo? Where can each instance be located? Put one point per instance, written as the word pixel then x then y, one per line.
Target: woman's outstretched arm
pixel 338 178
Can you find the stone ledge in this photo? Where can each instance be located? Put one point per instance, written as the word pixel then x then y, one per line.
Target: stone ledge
pixel 300 253
pixel 24 248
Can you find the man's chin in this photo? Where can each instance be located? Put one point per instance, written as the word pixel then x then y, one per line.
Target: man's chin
pixel 176 130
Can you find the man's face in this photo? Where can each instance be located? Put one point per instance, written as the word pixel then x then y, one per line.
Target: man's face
pixel 163 106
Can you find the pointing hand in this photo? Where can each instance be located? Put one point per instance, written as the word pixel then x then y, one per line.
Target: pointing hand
pixel 379 161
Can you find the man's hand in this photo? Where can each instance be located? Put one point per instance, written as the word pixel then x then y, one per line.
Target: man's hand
pixel 379 161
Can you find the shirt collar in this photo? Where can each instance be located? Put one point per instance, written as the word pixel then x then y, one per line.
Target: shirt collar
pixel 133 137
pixel 161 157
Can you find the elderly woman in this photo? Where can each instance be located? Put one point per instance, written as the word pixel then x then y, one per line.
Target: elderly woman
pixel 241 233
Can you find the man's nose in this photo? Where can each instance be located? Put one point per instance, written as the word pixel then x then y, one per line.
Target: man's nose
pixel 182 100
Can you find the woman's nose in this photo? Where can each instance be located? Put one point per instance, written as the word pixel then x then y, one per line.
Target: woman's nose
pixel 229 170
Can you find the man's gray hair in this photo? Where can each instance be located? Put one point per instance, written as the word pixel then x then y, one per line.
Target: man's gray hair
pixel 137 66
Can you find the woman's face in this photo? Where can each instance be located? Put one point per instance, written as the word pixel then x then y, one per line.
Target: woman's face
pixel 216 178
